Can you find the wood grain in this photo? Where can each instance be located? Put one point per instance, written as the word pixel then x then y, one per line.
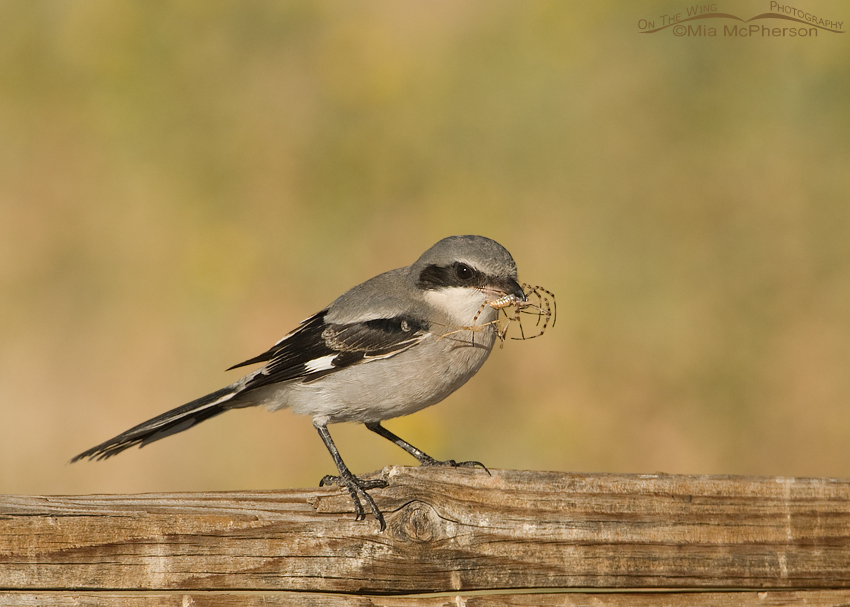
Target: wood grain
pixel 448 531
pixel 815 598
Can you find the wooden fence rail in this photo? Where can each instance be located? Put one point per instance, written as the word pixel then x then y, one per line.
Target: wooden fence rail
pixel 631 539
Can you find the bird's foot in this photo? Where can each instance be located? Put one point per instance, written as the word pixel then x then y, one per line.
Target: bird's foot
pixel 450 463
pixel 357 489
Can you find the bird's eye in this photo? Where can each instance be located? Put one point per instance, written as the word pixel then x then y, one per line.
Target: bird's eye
pixel 463 272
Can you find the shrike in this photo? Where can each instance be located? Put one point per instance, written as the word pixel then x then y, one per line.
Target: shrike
pixel 397 343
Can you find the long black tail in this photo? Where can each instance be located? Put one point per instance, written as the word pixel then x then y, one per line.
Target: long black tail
pixel 170 422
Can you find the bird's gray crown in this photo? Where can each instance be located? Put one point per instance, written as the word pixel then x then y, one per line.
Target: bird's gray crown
pixel 444 264
pixel 482 253
pixel 394 292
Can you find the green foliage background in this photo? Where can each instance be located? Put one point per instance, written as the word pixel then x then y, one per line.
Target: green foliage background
pixel 182 182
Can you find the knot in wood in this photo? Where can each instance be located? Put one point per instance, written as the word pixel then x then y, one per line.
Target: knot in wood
pixel 419 522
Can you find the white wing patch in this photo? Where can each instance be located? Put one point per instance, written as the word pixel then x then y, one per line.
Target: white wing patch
pixel 323 363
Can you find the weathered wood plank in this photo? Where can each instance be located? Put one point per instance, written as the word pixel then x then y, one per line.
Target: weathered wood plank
pixel 448 530
pixel 815 598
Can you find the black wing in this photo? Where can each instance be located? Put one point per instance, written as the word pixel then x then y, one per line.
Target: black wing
pixel 309 330
pixel 317 348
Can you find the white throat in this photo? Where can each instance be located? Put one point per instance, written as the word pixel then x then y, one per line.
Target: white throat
pixel 461 304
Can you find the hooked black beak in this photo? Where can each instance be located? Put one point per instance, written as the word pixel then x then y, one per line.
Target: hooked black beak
pixel 512 287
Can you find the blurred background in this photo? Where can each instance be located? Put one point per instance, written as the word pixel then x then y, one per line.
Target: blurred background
pixel 182 182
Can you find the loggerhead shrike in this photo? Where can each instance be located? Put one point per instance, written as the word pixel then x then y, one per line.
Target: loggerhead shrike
pixel 397 343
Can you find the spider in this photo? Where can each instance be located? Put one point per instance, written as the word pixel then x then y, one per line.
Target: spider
pixel 537 302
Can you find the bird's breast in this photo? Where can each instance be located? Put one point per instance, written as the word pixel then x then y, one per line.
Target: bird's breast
pixel 399 385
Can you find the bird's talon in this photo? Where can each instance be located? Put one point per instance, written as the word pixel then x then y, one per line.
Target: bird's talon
pixel 357 489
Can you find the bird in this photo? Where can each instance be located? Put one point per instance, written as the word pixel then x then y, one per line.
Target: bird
pixel 390 346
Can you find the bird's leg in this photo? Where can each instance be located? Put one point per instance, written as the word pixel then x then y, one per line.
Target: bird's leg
pixel 356 487
pixel 424 458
